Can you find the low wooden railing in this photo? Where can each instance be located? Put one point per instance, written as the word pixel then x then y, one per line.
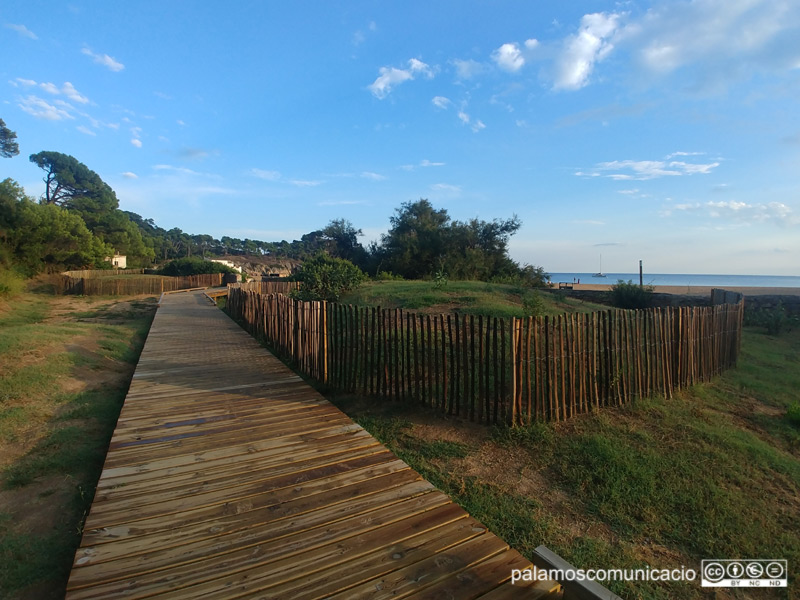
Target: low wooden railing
pixel 490 369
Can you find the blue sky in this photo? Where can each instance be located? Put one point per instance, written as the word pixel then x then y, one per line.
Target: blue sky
pixel 666 131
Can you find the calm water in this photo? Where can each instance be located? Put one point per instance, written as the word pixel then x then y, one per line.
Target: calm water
pixel 677 279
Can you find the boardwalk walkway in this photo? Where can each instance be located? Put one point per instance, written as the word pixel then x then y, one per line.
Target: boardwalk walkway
pixel 229 477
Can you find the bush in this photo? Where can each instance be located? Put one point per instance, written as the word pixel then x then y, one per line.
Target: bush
pixel 774 320
pixel 11 284
pixel 533 305
pixel 631 295
pixel 326 278
pixel 793 413
pixel 387 276
pixel 193 266
pixel 526 277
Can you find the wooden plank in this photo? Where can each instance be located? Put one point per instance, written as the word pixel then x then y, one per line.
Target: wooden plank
pixel 227 475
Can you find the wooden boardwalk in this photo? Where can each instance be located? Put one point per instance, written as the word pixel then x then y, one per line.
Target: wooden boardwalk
pixel 229 477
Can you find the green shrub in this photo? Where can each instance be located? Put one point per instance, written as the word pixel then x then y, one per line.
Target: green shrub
pixel 193 266
pixel 326 278
pixel 775 320
pixel 793 413
pixel 527 277
pixel 631 295
pixel 533 305
pixel 440 279
pixel 387 276
pixel 11 284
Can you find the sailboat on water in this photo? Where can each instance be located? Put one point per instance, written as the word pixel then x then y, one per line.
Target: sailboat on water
pixel 600 272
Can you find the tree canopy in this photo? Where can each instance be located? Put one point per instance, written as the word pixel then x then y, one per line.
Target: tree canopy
pixel 68 180
pixel 423 241
pixel 44 237
pixel 72 185
pixel 8 141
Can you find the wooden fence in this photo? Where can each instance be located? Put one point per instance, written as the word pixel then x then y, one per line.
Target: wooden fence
pixel 131 285
pixel 267 287
pixel 492 370
pixel 92 273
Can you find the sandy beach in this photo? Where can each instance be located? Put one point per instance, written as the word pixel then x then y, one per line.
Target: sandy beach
pixel 699 290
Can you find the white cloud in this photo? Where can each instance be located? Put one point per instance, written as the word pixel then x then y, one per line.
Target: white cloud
pixel 423 163
pixel 475 125
pixel 305 182
pixel 509 57
pixel 130 175
pixel 713 31
pixel 775 213
pixel 23 31
pixel 390 77
pixel 86 130
pixel 264 174
pixel 173 169
pixel 442 102
pixel 33 105
pixel 196 153
pixel 50 88
pixel 136 142
pixel 584 49
pixel 641 170
pixel 467 69
pixel 70 92
pixel 531 43
pixel 67 89
pixel 446 187
pixel 674 154
pixel 373 176
pixel 104 59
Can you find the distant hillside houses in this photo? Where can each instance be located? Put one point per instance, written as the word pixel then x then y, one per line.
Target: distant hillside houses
pixel 260 267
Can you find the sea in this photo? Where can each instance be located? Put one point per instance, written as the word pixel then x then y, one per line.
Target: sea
pixel 678 279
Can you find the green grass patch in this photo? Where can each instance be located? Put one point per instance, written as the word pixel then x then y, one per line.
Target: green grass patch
pixel 466 297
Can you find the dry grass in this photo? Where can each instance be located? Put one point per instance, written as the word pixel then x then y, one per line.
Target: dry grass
pixel 66 364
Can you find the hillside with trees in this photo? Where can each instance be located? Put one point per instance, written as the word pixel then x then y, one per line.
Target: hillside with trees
pixel 77 224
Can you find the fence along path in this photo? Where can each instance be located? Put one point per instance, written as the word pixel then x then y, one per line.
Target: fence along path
pixel 229 477
pixel 128 285
pixel 490 369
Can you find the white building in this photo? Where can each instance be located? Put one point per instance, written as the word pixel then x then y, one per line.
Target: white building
pixel 118 261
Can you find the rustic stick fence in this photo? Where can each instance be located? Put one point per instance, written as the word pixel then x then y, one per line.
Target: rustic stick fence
pixel 92 273
pixel 490 369
pixel 267 287
pixel 131 285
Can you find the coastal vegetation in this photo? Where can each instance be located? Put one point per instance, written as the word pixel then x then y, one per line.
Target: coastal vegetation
pixel 630 295
pixel 466 297
pixel 182 267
